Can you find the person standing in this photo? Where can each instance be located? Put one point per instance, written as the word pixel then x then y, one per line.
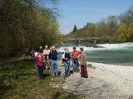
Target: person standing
pixel 40 63
pixel 40 48
pixel 46 52
pixel 33 57
pixel 54 63
pixel 66 59
pixel 35 62
pixel 83 64
pixel 75 62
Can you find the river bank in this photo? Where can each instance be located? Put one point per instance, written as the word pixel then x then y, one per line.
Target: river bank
pixel 103 82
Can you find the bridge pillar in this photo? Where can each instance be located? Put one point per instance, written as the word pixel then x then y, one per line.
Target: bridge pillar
pixel 94 42
pixel 78 42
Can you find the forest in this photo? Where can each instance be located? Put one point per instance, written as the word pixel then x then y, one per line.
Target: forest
pixel 113 29
pixel 27 24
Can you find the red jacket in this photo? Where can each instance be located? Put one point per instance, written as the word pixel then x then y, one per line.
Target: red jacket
pixel 75 54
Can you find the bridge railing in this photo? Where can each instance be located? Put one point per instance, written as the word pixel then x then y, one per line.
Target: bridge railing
pixel 84 38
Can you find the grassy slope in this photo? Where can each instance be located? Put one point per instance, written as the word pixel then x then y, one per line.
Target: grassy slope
pixel 19 80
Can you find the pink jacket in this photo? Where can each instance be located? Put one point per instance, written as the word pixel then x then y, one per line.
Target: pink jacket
pixel 38 63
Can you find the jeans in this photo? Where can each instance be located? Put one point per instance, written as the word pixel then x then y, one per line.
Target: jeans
pixel 40 69
pixel 67 67
pixel 54 67
pixel 75 64
pixel 37 69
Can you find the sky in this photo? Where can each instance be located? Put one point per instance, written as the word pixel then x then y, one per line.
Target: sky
pixel 81 12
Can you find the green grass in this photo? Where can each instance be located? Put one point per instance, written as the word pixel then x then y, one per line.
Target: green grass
pixel 19 80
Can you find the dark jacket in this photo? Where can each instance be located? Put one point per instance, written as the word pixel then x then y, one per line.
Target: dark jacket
pixel 53 55
pixel 67 55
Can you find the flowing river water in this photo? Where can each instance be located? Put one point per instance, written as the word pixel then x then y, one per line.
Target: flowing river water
pixel 118 54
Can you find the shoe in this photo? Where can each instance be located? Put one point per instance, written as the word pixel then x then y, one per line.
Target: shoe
pixel 53 80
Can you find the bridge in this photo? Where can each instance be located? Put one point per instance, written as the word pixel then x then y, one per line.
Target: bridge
pixel 83 38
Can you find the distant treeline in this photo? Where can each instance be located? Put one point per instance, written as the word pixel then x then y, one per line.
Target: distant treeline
pixel 112 29
pixel 26 24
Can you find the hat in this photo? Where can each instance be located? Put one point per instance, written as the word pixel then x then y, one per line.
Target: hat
pixel 74 47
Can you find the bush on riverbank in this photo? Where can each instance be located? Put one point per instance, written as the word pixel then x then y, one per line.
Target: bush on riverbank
pixel 90 66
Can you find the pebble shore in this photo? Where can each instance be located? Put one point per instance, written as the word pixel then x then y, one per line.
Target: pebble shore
pixel 103 82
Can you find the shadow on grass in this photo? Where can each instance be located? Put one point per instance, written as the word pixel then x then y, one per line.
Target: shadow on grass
pixel 56 95
pixel 46 75
pixel 4 89
pixel 12 71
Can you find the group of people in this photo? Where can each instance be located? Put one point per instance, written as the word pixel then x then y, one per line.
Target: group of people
pixel 48 58
pixel 75 56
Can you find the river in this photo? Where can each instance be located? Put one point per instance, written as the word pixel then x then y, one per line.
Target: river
pixel 118 54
